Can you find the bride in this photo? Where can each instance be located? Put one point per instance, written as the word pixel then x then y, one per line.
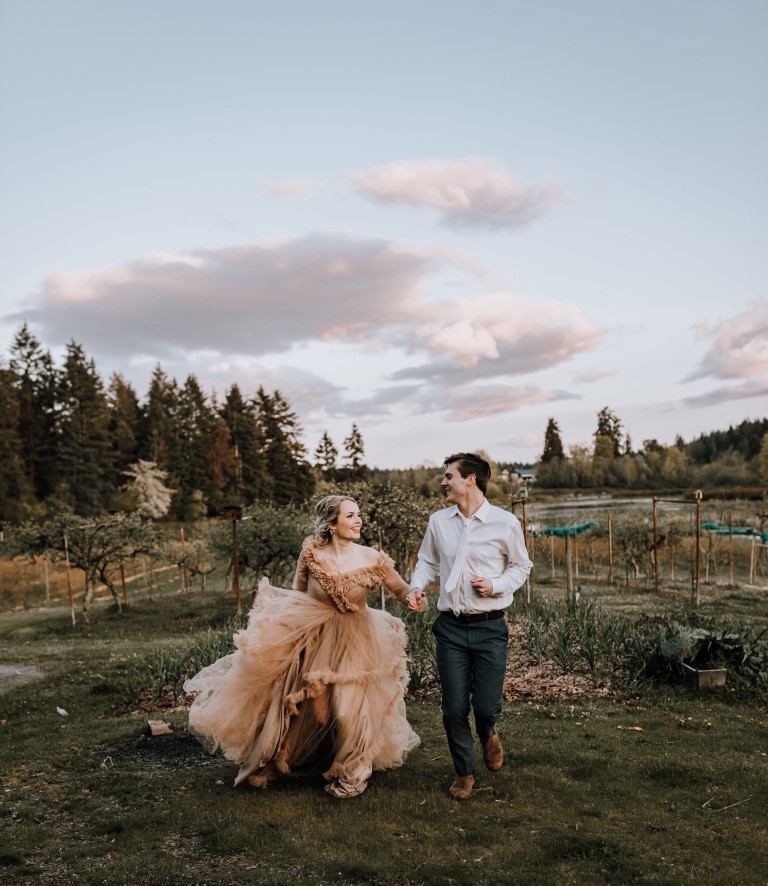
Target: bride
pixel 317 675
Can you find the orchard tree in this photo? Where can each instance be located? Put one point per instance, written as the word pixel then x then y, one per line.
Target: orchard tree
pixel 269 539
pixel 97 545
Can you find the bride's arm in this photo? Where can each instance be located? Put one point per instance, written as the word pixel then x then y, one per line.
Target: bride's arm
pixel 400 588
pixel 301 576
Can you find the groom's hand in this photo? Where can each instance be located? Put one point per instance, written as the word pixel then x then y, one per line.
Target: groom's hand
pixel 482 586
pixel 417 600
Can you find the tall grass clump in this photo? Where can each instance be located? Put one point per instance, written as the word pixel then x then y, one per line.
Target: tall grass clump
pixel 422 661
pixel 631 650
pixel 162 675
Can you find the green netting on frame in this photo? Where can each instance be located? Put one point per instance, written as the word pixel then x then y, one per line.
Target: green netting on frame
pixel 562 531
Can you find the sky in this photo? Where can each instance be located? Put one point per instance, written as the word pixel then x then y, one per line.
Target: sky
pixel 445 222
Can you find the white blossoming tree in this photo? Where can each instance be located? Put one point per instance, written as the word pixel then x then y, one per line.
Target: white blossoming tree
pixel 147 487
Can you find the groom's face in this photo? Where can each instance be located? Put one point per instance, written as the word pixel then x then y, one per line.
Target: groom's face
pixel 454 485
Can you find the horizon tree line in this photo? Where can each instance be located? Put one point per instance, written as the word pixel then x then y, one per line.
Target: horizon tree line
pixel 68 442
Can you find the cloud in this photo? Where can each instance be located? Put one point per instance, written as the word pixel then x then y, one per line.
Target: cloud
pixel 251 300
pixel 746 391
pixel 496 335
pixel 482 401
pixel 472 193
pixel 238 314
pixel 739 346
pixel 297 187
pixel 593 375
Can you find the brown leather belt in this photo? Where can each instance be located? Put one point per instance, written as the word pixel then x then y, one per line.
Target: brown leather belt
pixel 467 619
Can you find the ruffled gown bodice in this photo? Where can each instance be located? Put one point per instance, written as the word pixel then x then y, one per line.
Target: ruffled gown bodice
pixel 317 676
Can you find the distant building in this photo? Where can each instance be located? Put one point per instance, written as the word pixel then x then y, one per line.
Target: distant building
pixel 524 476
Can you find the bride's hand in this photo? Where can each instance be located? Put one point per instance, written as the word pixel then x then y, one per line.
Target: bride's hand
pixel 417 601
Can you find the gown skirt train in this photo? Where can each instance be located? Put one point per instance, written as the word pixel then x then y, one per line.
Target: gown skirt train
pixel 314 679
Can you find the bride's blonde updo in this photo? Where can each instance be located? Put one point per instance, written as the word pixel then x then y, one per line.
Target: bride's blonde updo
pixel 327 510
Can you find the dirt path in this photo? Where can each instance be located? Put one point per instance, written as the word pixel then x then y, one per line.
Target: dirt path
pixel 13 675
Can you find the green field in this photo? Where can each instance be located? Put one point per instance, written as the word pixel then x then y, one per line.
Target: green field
pixel 666 785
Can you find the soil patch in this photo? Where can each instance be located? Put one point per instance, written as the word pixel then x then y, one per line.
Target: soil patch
pixel 13 675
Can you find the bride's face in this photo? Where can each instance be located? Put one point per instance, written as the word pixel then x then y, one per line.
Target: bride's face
pixel 348 523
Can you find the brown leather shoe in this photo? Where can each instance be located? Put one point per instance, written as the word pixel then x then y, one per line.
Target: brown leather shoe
pixel 493 752
pixel 462 786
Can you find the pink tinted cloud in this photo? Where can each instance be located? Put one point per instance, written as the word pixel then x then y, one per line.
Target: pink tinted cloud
pixel 739 345
pixel 476 192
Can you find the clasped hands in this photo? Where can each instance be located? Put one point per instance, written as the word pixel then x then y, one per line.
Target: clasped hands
pixel 417 600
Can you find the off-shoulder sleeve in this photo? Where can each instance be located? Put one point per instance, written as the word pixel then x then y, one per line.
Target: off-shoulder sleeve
pixel 390 578
pixel 302 571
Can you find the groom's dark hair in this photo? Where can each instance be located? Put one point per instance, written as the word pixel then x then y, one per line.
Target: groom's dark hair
pixel 470 463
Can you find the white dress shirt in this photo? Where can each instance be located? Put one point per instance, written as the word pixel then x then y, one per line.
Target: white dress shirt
pixel 495 549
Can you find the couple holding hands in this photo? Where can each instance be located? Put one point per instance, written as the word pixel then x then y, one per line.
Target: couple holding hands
pixel 318 677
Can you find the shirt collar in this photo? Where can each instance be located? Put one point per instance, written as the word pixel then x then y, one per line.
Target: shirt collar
pixel 481 513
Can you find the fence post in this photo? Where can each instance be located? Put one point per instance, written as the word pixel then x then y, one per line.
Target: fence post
pixel 69 580
pixel 730 544
pixel 752 559
pixel 552 556
pixel 568 569
pixel 610 549
pixel 696 595
pixel 655 550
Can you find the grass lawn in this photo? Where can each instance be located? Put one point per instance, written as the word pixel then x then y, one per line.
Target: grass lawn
pixel 666 786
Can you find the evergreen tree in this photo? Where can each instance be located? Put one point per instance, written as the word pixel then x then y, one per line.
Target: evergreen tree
pixel 762 459
pixel 85 452
pixel 607 435
pixel 284 454
pixel 354 452
pixel 326 457
pixel 204 453
pixel 16 497
pixel 159 438
pixel 36 382
pixel 124 426
pixel 248 479
pixel 553 443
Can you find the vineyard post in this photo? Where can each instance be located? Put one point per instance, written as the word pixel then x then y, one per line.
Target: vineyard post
pixel 610 548
pixel 568 569
pixel 655 550
pixel 696 594
pixel 69 580
pixel 730 544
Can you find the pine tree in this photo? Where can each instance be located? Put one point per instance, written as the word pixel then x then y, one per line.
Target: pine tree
pixel 283 452
pixel 326 456
pixel 607 435
pixel 85 453
pixel 204 454
pixel 248 479
pixel 354 452
pixel 36 382
pixel 124 426
pixel 159 438
pixel 553 443
pixel 16 498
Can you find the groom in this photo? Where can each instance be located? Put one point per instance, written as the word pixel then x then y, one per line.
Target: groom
pixel 478 551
